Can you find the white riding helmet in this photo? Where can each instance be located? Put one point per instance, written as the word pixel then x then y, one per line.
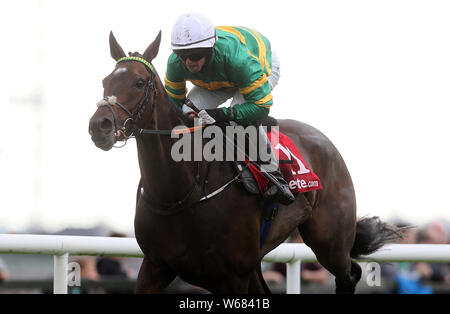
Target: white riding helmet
pixel 191 31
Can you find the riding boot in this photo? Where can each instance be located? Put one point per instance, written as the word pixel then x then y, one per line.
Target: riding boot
pixel 281 193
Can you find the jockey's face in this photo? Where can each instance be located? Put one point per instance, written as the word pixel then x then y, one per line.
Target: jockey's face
pixel 194 66
pixel 194 59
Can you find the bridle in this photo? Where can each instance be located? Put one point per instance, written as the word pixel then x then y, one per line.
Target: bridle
pixel 129 128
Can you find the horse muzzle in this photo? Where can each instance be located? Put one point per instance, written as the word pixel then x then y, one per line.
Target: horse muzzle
pixel 102 132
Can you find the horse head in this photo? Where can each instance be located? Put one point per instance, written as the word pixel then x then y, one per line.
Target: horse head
pixel 128 97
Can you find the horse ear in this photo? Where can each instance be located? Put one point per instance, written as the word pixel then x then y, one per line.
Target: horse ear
pixel 116 51
pixel 152 51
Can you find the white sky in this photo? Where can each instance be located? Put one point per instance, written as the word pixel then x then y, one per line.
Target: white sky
pixel 374 76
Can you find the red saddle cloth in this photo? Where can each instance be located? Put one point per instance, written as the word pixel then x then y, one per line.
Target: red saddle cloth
pixel 293 167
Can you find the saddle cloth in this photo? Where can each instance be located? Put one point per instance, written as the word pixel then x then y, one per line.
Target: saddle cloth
pixel 293 167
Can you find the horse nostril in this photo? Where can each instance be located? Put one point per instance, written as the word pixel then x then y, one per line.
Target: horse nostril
pixel 106 125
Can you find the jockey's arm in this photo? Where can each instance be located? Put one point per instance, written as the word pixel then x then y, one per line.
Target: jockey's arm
pixel 175 83
pixel 254 86
pixel 246 113
pixel 177 91
pixel 247 73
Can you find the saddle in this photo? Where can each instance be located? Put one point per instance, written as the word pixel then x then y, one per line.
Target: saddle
pixel 293 167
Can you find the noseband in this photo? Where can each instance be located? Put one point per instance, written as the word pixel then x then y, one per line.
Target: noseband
pixel 134 116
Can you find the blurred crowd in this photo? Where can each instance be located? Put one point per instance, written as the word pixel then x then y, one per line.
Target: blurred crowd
pixel 118 275
pixel 420 277
pixel 96 269
pixel 396 278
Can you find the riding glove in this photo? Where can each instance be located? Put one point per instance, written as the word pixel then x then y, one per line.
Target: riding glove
pixel 210 116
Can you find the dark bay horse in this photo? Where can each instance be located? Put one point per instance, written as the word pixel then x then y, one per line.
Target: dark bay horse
pixel 215 244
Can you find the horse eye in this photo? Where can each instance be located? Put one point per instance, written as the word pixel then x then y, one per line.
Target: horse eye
pixel 140 84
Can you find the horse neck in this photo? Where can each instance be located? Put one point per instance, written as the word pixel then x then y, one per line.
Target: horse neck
pixel 162 177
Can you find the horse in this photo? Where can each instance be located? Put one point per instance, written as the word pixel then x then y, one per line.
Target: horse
pixel 215 243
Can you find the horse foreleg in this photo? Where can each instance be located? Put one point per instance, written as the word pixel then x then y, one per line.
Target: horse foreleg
pixel 153 278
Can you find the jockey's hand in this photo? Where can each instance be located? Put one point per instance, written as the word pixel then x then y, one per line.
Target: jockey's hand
pixel 211 116
pixel 189 112
pixel 205 118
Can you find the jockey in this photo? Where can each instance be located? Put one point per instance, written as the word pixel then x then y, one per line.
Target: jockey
pixel 225 62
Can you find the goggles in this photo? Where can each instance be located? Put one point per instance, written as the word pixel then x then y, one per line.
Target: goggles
pixel 193 54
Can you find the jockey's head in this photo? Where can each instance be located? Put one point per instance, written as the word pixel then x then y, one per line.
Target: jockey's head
pixel 193 39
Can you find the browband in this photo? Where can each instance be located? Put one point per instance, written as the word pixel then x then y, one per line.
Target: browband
pixel 141 60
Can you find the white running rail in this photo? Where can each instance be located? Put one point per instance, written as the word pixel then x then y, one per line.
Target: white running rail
pixel 291 254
